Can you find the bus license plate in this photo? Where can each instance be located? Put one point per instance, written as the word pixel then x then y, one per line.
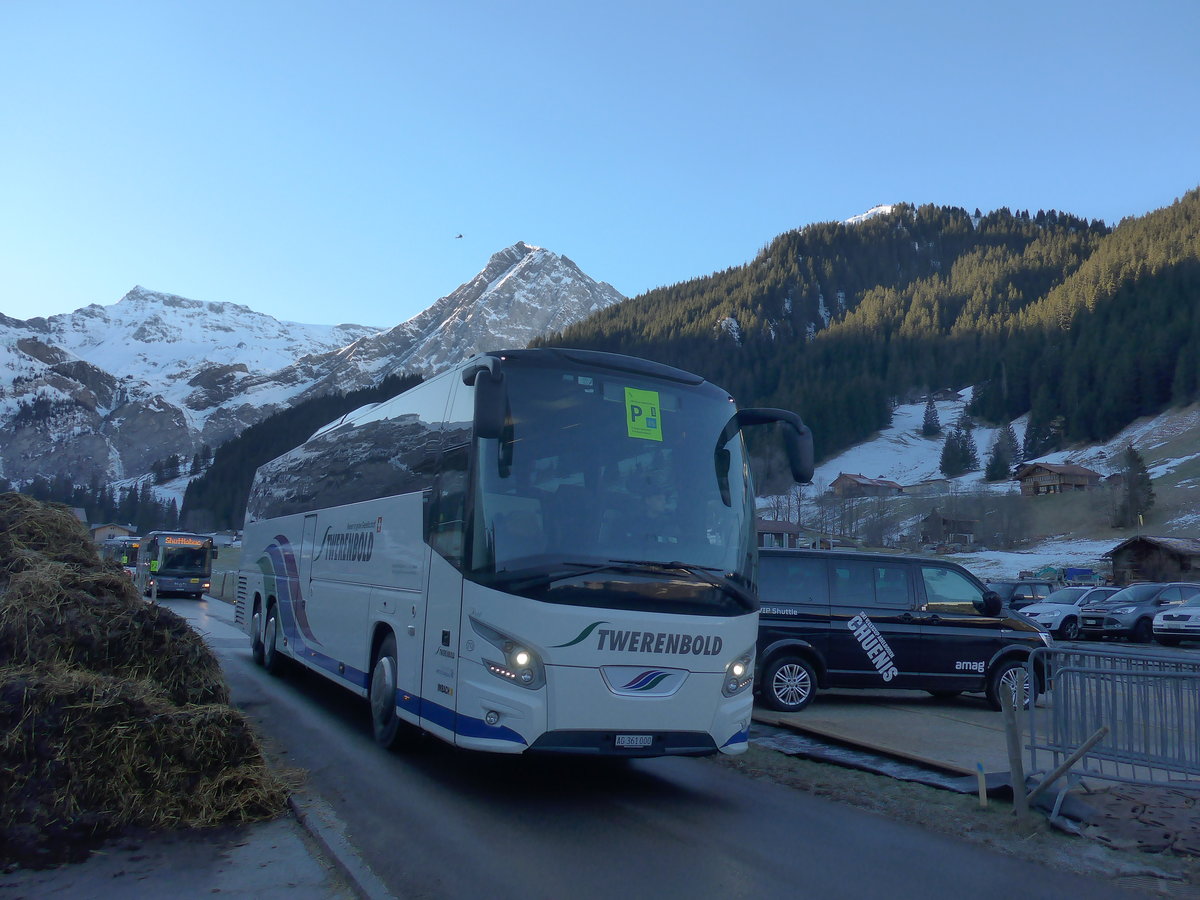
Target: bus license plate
pixel 635 740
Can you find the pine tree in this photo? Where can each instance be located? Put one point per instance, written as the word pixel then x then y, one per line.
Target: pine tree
pixel 1000 462
pixel 970 450
pixel 1137 491
pixel 951 464
pixel 932 425
pixel 1009 437
pixel 959 452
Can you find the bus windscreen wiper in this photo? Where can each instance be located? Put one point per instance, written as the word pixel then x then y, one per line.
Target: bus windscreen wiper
pixel 702 573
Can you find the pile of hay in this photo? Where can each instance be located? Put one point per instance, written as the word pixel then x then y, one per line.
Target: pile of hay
pixel 113 712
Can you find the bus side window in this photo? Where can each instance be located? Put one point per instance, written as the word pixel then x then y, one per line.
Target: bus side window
pixel 448 506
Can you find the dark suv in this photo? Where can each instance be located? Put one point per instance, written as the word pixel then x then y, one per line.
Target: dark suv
pixel 1130 611
pixel 835 619
pixel 1019 594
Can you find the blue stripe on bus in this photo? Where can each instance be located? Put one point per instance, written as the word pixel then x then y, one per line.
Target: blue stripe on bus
pixel 740 738
pixel 467 726
pixel 328 663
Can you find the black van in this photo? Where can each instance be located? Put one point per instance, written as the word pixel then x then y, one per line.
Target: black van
pixel 837 619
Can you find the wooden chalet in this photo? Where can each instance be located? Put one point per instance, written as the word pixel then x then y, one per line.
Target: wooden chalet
pixel 1054 478
pixel 939 529
pixel 850 485
pixel 102 533
pixel 773 533
pixel 1145 558
pixel 790 536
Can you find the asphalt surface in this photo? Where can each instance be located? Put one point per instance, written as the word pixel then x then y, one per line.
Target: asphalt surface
pixel 306 854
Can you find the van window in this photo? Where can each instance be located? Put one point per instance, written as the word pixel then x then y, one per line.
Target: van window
pixel 950 592
pixel 866 583
pixel 800 580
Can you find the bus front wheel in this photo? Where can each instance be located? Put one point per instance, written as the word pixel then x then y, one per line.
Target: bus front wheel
pixel 391 732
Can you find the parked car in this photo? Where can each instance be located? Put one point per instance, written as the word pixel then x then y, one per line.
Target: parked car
pixel 1180 623
pixel 1059 613
pixel 838 619
pixel 1019 594
pixel 1130 611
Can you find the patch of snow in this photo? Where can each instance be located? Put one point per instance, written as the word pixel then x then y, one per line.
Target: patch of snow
pixel 871 213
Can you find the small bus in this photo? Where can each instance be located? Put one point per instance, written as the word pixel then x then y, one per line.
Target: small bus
pixel 175 563
pixel 541 550
pixel 123 551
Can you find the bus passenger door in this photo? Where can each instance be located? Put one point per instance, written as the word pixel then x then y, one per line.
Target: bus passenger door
pixel 439 686
pixel 443 617
pixel 306 552
pixel 299 591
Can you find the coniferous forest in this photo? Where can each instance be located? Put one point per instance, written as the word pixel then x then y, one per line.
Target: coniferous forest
pixel 1084 326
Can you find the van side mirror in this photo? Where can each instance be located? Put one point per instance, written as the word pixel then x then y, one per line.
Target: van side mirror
pixel 992 604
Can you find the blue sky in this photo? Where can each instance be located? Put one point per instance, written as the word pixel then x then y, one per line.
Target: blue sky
pixel 315 160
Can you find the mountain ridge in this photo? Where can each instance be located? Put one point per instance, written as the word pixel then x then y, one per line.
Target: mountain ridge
pixel 114 389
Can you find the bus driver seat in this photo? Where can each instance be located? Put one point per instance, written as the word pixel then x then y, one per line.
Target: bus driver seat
pixel 568 522
pixel 519 534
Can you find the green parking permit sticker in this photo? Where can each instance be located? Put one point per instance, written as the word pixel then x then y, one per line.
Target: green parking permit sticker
pixel 642 414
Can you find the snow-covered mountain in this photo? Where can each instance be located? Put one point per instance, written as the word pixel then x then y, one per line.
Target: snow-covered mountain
pixel 108 391
pixel 522 292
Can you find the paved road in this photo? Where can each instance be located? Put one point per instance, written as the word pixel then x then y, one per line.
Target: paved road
pixel 442 823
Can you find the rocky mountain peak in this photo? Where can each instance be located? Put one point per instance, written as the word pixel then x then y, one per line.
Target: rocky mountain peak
pixel 125 385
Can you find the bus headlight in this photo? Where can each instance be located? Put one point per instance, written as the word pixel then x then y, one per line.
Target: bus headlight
pixel 739 674
pixel 521 665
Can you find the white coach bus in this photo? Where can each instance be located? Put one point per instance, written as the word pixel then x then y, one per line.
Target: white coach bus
pixel 540 550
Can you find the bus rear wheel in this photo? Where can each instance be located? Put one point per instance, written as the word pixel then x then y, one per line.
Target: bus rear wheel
pixel 256 641
pixel 272 658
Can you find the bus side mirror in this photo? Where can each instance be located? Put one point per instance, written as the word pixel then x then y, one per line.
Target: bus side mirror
pixel 214 553
pixel 798 444
pixel 797 438
pixel 490 402
pixel 723 462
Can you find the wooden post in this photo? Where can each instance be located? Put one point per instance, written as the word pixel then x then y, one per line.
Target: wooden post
pixel 1012 726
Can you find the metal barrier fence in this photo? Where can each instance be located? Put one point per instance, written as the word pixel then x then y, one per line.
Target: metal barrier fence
pixel 1148 701
pixel 224 585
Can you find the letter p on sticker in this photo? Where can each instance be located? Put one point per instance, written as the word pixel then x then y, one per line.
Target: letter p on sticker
pixel 641 414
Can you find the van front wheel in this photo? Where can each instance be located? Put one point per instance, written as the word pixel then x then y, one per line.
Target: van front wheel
pixel 1009 677
pixel 789 684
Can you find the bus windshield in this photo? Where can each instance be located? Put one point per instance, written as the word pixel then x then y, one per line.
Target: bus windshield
pixel 185 561
pixel 609 489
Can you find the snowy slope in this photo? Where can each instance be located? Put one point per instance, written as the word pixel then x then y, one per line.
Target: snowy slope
pixel 900 454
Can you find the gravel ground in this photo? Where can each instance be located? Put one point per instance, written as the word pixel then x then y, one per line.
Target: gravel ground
pixel 959 815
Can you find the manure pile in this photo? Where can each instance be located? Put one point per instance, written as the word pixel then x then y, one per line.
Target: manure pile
pixel 113 712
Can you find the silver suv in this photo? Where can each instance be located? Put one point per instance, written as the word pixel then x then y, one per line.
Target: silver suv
pixel 1130 611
